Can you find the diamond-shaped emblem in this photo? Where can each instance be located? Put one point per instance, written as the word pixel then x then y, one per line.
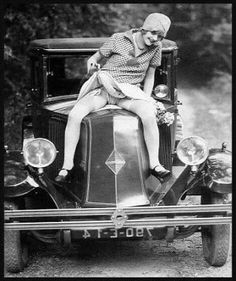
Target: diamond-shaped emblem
pixel 115 162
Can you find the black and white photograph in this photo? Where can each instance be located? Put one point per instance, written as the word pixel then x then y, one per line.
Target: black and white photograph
pixel 117 140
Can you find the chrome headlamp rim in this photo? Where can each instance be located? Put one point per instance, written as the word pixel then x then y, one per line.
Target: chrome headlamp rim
pixel 197 161
pixel 51 147
pixel 161 91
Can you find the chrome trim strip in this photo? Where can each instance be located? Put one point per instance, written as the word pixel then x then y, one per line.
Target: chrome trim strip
pixel 114 149
pixel 77 225
pixel 89 142
pixel 88 50
pixel 159 210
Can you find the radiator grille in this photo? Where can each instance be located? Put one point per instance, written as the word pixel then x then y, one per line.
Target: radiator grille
pixel 56 133
pixel 165 146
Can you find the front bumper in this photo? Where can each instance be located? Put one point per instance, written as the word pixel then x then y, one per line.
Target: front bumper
pixel 101 218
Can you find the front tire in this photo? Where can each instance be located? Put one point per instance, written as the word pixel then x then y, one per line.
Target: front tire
pixel 215 238
pixel 15 249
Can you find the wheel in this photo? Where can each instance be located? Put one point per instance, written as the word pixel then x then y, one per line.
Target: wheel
pixel 15 249
pixel 215 238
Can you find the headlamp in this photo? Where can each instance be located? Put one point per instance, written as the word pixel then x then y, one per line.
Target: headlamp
pixel 39 152
pixel 161 91
pixel 192 150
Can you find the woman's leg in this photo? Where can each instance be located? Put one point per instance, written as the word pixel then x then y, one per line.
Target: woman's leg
pixel 82 108
pixel 146 111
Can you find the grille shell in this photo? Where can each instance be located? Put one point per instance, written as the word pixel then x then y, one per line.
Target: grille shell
pixel 91 152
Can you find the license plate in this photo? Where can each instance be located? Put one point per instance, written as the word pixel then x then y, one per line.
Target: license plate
pixel 115 233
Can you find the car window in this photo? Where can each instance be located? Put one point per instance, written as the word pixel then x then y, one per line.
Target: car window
pixel 66 75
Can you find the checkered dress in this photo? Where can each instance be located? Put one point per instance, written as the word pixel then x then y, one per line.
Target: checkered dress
pixel 122 63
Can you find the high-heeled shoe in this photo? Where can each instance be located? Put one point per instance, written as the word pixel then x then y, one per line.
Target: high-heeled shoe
pixel 159 172
pixel 64 178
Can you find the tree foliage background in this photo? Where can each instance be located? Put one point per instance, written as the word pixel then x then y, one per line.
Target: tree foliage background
pixel 203 33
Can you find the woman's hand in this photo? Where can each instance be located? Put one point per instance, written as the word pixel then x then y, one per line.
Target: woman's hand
pixel 92 66
pixel 92 63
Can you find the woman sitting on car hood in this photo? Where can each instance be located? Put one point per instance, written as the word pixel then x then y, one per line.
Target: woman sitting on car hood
pixel 132 58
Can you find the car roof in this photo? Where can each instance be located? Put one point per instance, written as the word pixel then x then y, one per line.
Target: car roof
pixel 86 44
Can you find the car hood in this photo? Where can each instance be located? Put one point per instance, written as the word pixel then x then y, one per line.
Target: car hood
pixel 63 107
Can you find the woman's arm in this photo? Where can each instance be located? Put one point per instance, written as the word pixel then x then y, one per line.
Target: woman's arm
pixel 92 62
pixel 149 81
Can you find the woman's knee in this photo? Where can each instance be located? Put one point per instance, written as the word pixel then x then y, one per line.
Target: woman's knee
pixel 76 116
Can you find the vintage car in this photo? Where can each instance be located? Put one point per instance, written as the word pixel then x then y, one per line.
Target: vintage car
pixel 111 194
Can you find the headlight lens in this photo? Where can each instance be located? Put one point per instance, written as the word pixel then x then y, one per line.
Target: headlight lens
pixel 39 152
pixel 220 167
pixel 161 91
pixel 192 150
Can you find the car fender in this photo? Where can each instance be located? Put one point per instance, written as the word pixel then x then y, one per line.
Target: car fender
pixel 17 181
pixel 219 170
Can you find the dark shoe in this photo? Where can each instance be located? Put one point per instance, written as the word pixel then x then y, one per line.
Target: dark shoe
pixel 64 178
pixel 160 172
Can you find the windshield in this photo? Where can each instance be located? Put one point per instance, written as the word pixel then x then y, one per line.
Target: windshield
pixel 66 74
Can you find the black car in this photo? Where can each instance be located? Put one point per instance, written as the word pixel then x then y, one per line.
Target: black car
pixel 112 194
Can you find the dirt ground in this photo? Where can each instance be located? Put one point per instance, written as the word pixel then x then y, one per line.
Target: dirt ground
pixel 182 258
